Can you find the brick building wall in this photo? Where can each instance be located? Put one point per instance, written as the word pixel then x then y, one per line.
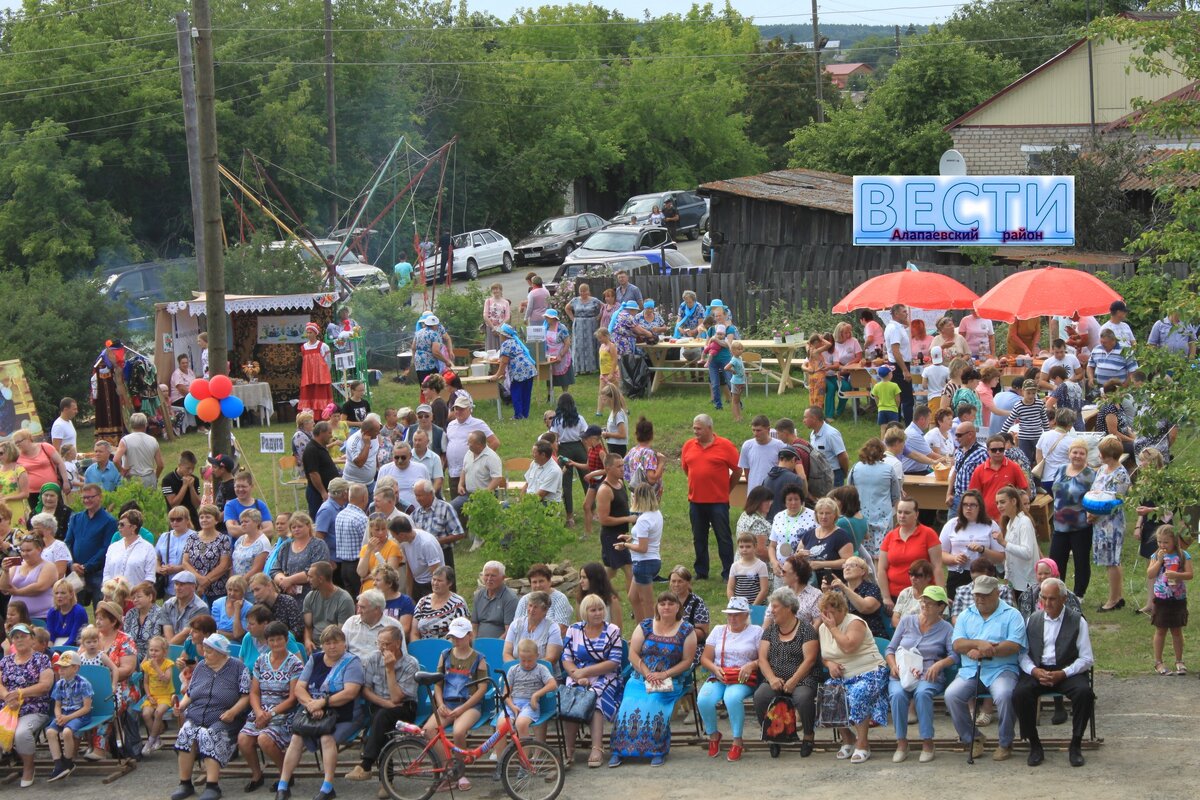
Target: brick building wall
pixel 998 150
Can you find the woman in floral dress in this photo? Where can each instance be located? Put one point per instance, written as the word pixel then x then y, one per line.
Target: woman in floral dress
pixel 584 313
pixel 209 555
pixel 272 701
pixel 1108 530
pixel 559 350
pixel 497 310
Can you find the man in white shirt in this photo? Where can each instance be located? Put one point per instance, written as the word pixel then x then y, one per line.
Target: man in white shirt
pixel 422 555
pixel 63 430
pixel 544 477
pixel 405 472
pixel 1080 332
pixel 362 629
pixel 828 440
pixel 1117 324
pixel 1057 659
pixel 1059 357
pixel 759 453
pixel 424 455
pixel 362 452
pixel 899 354
pixel 458 429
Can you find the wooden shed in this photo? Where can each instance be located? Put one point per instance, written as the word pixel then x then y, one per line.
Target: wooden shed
pixel 793 221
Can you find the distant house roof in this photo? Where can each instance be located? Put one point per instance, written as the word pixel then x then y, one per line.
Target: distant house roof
pixel 794 187
pixel 1139 181
pixel 1188 94
pixel 847 69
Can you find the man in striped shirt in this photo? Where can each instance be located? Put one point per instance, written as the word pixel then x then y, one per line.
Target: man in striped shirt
pixel 1109 361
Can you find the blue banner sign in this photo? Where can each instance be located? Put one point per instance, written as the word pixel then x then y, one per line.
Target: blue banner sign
pixel 989 210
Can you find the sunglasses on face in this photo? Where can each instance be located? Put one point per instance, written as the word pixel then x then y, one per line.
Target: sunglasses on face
pixel 966 433
pixel 995 449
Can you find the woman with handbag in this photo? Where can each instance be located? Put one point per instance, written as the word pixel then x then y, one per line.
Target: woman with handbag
pixel 1053 448
pixel 925 637
pixel 26 679
pixel 788 656
pixel 855 668
pixel 661 653
pixel 212 710
pixel 326 689
pixel 731 655
pixel 592 654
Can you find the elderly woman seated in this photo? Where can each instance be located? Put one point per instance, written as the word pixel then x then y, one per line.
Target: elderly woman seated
pixel 731 657
pixel 930 635
pixel 213 711
pixel 853 661
pixel 328 686
pixel 25 683
pixel 862 594
pixel 536 625
pixel 787 656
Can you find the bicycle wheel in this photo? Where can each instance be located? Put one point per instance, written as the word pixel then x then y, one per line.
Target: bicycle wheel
pixel 542 780
pixel 407 772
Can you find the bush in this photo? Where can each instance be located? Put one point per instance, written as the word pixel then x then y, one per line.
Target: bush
pixel 385 317
pixel 150 501
pixel 787 320
pixel 462 314
pixel 519 534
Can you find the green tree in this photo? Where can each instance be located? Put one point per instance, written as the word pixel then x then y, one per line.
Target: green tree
pixel 780 98
pixel 877 50
pixel 899 131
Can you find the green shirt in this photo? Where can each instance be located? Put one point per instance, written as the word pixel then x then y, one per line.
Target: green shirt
pixel 887 395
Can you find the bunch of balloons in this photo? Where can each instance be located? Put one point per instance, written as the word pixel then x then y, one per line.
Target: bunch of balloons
pixel 209 399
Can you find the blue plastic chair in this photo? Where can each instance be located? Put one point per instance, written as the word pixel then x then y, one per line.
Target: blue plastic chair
pixel 104 701
pixel 882 644
pixel 492 650
pixel 59 649
pixel 758 615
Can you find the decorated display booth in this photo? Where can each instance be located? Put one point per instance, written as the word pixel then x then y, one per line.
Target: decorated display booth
pixel 264 334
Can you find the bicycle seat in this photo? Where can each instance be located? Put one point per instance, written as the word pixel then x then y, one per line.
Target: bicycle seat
pixel 429 678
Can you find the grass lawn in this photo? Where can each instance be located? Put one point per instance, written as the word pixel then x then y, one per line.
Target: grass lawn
pixel 1121 639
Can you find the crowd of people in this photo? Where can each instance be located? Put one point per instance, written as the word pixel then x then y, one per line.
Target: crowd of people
pixel 269 634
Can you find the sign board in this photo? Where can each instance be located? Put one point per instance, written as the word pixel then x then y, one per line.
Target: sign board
pixel 271 443
pixel 989 210
pixel 343 362
pixel 952 163
pixel 17 409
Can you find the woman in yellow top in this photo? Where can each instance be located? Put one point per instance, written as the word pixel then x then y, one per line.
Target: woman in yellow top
pixel 379 550
pixel 610 373
pixel 160 690
pixel 854 661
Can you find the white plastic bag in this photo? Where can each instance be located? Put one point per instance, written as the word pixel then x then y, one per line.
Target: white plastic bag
pixel 911 666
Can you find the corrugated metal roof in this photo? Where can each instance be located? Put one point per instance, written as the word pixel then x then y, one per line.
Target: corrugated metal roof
pixel 794 187
pixel 1139 181
pixel 1054 255
pixel 847 69
pixel 1188 94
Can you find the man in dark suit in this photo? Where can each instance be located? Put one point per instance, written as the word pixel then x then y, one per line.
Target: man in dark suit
pixel 1058 660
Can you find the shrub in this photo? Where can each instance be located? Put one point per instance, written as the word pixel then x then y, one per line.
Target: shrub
pixel 150 501
pixel 519 533
pixel 462 314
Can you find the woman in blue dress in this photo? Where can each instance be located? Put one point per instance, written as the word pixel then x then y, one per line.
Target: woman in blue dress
pixel 517 364
pixel 662 649
pixel 592 653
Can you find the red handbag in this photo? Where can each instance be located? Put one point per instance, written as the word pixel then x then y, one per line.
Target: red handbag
pixel 733 674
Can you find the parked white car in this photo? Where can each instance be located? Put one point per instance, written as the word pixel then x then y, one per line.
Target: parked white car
pixel 477 251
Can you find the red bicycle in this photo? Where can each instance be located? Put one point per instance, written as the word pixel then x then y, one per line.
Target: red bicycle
pixel 411 767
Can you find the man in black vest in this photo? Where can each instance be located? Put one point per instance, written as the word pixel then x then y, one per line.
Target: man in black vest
pixel 1058 660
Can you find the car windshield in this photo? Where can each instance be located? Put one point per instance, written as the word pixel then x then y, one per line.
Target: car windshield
pixel 642 205
pixel 461 241
pixel 549 227
pixel 612 241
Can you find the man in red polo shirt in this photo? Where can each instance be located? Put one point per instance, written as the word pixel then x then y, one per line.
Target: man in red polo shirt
pixel 997 472
pixel 711 465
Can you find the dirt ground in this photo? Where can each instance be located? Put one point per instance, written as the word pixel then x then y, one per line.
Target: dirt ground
pixel 1150 727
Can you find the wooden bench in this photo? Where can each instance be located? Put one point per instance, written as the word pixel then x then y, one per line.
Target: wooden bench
pixel 1041 511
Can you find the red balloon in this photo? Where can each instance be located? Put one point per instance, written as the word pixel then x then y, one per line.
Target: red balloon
pixel 200 389
pixel 209 409
pixel 220 386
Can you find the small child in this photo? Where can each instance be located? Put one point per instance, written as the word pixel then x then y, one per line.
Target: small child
pixel 935 376
pixel 656 216
pixel 749 576
pixel 160 690
pixel 737 377
pixel 529 681
pixel 70 457
pixel 1150 517
pixel 594 442
pixel 887 398
pixel 72 695
pixel 90 654
pixel 716 355
pixel 1170 567
pixel 610 371
pixel 456 706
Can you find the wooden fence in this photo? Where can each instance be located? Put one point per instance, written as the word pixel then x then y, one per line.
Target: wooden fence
pixel 819 289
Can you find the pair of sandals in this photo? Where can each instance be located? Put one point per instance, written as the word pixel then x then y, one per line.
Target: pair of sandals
pixel 595 759
pixel 855 755
pixel 1161 668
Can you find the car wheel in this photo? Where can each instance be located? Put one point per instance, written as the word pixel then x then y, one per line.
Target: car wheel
pixel 507 264
pixel 473 269
pixel 693 234
pixel 570 248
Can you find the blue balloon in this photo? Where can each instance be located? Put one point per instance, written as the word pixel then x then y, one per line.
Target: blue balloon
pixel 232 407
pixel 190 403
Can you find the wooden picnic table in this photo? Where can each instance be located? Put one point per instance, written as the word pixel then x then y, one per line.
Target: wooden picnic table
pixel 482 387
pixel 928 491
pixel 785 354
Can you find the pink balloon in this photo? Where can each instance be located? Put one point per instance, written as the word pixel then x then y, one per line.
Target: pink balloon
pixel 221 386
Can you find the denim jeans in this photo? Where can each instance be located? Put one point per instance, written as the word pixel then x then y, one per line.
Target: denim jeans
pixel 734 695
pixel 716 377
pixel 924 694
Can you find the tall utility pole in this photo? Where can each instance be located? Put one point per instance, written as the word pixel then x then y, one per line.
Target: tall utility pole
pixel 331 111
pixel 897 42
pixel 210 200
pixel 1087 12
pixel 187 79
pixel 817 62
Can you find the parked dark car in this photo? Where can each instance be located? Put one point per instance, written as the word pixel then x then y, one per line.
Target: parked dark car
pixel 137 287
pixel 671 262
pixel 622 239
pixel 693 210
pixel 634 263
pixel 553 239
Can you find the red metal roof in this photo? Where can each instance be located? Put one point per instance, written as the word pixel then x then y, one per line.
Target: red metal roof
pixel 847 69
